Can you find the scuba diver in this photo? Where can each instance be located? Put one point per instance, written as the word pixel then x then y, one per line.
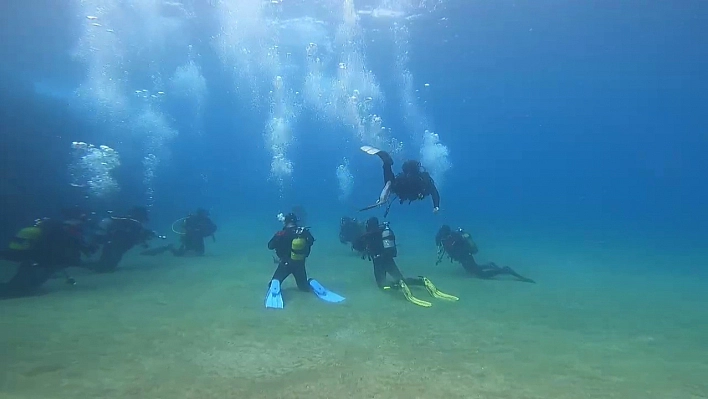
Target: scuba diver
pixel 458 245
pixel 292 245
pixel 412 184
pixel 195 228
pixel 350 230
pixel 42 251
pixel 379 243
pixel 120 234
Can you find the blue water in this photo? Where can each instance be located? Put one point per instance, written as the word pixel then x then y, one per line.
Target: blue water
pixel 573 120
pixel 569 140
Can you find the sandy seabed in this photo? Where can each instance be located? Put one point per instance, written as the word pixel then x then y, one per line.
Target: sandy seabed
pixel 165 327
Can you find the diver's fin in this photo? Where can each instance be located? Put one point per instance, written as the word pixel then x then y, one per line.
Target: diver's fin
pixel 369 149
pixel 274 298
pixel 407 293
pixel 437 293
pixel 519 277
pixel 323 293
pixel 385 157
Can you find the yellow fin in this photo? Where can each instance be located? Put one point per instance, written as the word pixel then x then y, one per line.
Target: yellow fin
pixel 407 293
pixel 437 293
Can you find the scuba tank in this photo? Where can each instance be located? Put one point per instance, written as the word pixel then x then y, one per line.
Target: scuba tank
pixel 25 239
pixel 299 245
pixel 472 245
pixel 388 239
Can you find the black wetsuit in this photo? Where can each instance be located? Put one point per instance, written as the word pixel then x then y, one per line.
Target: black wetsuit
pixel 409 186
pixel 59 246
pixel 122 234
pixel 350 230
pixel 459 248
pixel 372 243
pixel 282 243
pixel 196 229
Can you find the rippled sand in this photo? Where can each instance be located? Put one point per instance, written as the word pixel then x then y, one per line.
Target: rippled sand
pixel 196 328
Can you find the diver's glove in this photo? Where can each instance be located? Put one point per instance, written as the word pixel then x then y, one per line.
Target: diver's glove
pixel 366 256
pixel 153 234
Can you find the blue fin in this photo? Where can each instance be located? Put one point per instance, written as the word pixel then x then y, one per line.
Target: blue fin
pixel 323 293
pixel 274 299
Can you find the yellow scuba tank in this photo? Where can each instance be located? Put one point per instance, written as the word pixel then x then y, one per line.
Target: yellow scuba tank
pixel 298 247
pixel 25 238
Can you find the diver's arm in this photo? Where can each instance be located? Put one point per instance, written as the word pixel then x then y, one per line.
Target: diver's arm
pixel 273 243
pixel 434 193
pixel 150 234
pixel 385 192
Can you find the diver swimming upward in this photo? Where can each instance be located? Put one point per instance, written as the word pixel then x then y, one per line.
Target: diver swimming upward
pixel 412 184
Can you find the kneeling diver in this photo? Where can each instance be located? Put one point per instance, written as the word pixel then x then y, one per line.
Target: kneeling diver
pixel 350 229
pixel 459 247
pixel 292 245
pixel 118 235
pixel 43 251
pixel 379 245
pixel 195 228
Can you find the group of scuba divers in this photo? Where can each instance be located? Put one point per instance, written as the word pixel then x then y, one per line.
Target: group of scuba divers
pixel 46 249
pixel 376 242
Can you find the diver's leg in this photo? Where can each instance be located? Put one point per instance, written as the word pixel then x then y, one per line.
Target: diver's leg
pixel 493 270
pixel 392 269
pixel 282 272
pixel 388 172
pixel 179 251
pixel 111 255
pixel 14 255
pixel 388 175
pixel 29 277
pixel 110 261
pixel 199 246
pixel 471 267
pixel 193 243
pixel 385 158
pixel 300 274
pixel 379 272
